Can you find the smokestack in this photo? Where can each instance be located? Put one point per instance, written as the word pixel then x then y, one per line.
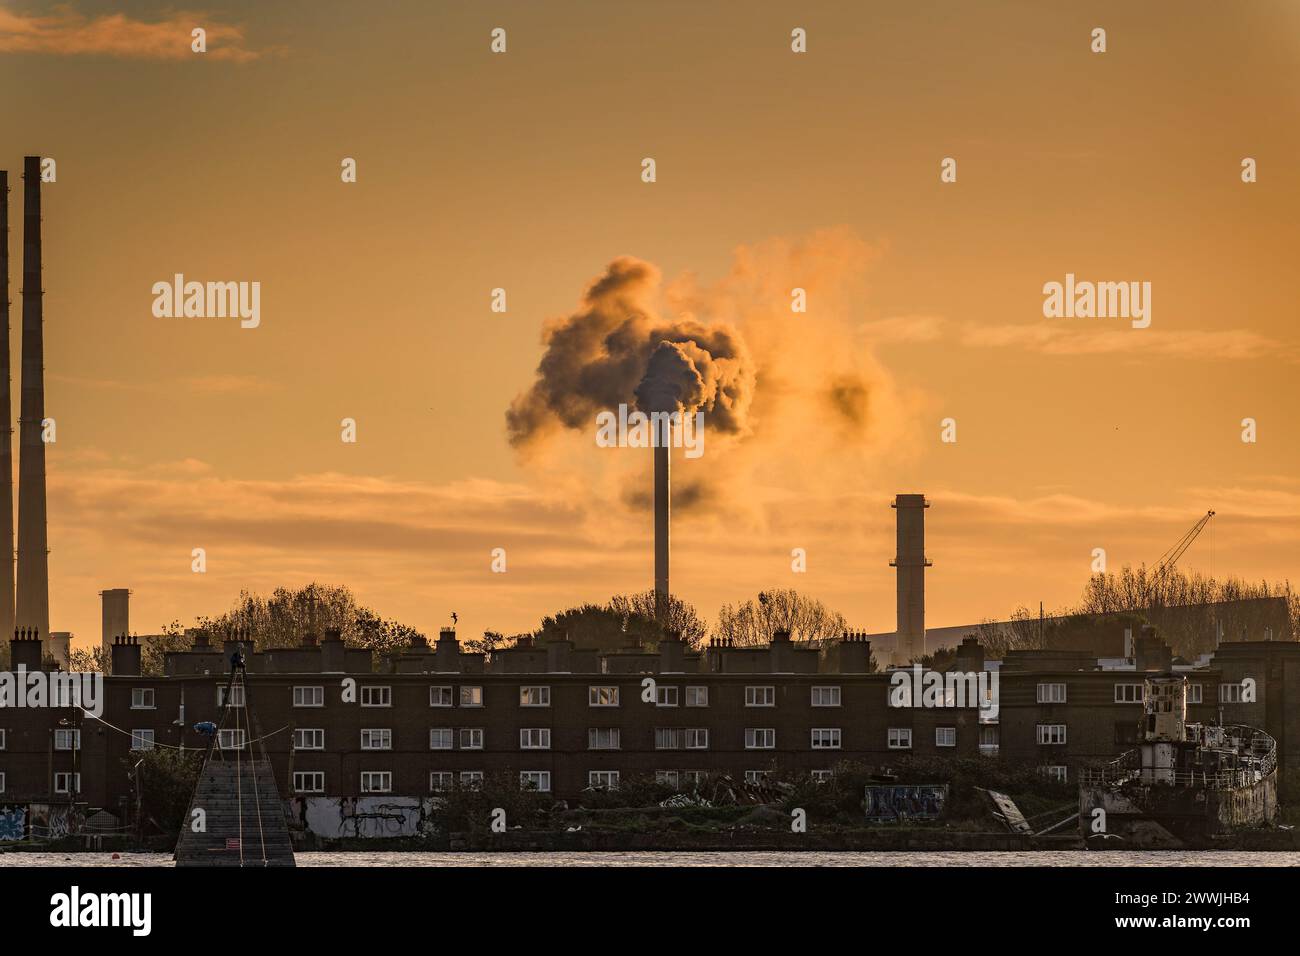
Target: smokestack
pixel 911 564
pixel 6 428
pixel 661 532
pixel 33 558
pixel 116 607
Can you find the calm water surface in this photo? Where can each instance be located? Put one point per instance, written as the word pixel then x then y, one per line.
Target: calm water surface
pixel 1178 858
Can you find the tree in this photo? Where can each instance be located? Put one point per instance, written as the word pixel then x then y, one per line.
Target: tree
pixel 755 621
pixel 489 643
pixel 638 612
pixel 627 620
pixel 166 778
pixel 88 660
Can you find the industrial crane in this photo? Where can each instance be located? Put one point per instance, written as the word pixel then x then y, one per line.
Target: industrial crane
pixel 1176 551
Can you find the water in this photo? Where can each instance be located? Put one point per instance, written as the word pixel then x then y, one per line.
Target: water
pixel 776 858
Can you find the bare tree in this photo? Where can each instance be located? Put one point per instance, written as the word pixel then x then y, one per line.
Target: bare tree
pixel 756 620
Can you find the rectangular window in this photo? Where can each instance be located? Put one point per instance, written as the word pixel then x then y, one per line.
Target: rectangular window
pixel 825 738
pixel 2 783
pixel 603 738
pixel 235 739
pixel 236 696
pixel 1051 693
pixel 142 740
pixel 756 777
pixel 760 696
pixel 308 781
pixel 67 783
pixel 440 696
pixel 670 738
pixel 440 738
pixel 602 696
pixel 899 738
pixel 534 738
pixel 142 698
pixel 2 738
pixel 1057 773
pixel 668 778
pixel 1128 693
pixel 666 696
pixel 694 778
pixel 760 738
pixel 471 779
pixel 602 780
pixel 989 736
pixel 376 781
pixel 440 781
pixel 826 697
pixel 697 697
pixel 471 738
pixel 697 738
pixel 375 695
pixel 1051 733
pixel 534 697
pixel 945 736
pixel 539 780
pixel 1230 693
pixel 471 696
pixel 67 739
pixel 376 738
pixel 822 776
pixel 309 738
pixel 309 697
pixel 1194 694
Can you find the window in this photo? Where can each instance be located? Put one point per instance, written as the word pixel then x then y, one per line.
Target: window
pixel 471 779
pixel 2 738
pixel 694 778
pixel 826 697
pixel 668 778
pixel 760 738
pixel 1051 693
pixel 2 783
pixel 826 738
pixel 1126 731
pixel 534 697
pixel 602 780
pixel 899 738
pixel 945 736
pixel 539 780
pixel 142 740
pixel 142 698
pixel 308 781
pixel 471 738
pixel 760 696
pixel 1194 693
pixel 697 697
pixel 697 738
pixel 67 739
pixel 603 738
pixel 822 776
pixel 440 696
pixel 440 780
pixel 670 738
pixel 1057 773
pixel 602 696
pixel 471 696
pixel 756 777
pixel 235 739
pixel 309 738
pixel 667 696
pixel 67 783
pixel 376 738
pixel 236 696
pixel 1128 693
pixel 1229 693
pixel 375 695
pixel 440 738
pixel 376 781
pixel 309 697
pixel 534 738
pixel 1051 733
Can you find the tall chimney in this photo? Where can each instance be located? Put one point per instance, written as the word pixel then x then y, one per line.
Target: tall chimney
pixel 6 428
pixel 911 564
pixel 33 558
pixel 116 616
pixel 661 532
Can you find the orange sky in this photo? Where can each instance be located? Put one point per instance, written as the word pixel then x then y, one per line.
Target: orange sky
pixel 775 170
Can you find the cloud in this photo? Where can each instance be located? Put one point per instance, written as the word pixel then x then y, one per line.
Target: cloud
pixel 69 33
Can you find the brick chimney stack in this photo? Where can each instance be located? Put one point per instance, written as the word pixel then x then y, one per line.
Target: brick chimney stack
pixel 126 656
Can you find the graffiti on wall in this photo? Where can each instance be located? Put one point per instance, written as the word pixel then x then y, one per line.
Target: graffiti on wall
pixel 13 823
pixel 890 804
pixel 386 816
pixel 53 822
